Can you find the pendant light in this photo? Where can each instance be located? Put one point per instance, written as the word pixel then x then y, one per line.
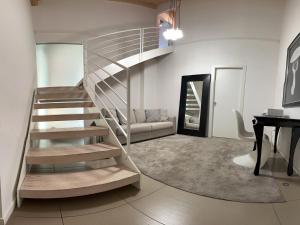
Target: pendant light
pixel 175 32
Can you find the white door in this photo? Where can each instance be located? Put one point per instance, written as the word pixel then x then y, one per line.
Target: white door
pixel 229 94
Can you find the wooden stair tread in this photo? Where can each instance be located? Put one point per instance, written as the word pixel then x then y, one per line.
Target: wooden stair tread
pixel 71 154
pixel 81 104
pixel 65 133
pixel 81 94
pixel 71 184
pixel 44 90
pixel 63 100
pixel 64 117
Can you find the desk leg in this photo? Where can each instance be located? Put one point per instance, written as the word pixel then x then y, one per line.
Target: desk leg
pixel 254 146
pixel 276 137
pixel 294 140
pixel 259 132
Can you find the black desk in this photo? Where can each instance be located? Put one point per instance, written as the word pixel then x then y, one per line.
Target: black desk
pixel 258 124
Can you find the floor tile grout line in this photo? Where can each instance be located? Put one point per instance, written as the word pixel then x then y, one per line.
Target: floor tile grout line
pixel 140 211
pixel 40 217
pixel 128 201
pixel 61 216
pixel 122 199
pixel 276 214
pixel 125 203
pixel 62 220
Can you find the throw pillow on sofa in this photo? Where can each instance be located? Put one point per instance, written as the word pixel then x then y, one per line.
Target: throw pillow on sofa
pixel 164 115
pixel 152 115
pixel 123 120
pixel 140 115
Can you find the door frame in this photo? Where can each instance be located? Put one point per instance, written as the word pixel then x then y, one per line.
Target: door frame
pixel 213 87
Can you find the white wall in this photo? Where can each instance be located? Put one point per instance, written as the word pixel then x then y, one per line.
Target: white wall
pixel 290 29
pixel 73 20
pixel 151 85
pixel 226 33
pixel 18 72
pixel 59 64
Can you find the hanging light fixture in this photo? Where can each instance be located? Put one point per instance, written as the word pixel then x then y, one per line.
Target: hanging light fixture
pixel 175 32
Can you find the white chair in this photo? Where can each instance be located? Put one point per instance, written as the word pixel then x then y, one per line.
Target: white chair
pixel 249 160
pixel 242 132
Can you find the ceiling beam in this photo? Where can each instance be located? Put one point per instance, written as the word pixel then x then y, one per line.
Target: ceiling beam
pixel 139 2
pixel 34 2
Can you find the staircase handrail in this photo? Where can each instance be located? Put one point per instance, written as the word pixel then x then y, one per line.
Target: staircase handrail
pixel 120 42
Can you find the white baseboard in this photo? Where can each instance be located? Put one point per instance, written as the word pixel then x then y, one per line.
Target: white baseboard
pixel 8 213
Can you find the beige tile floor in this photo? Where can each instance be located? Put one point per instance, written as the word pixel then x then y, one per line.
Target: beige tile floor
pixel 157 203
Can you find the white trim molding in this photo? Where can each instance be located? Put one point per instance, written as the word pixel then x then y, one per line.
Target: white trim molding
pixel 4 216
pixel 1 219
pixel 9 212
pixel 212 92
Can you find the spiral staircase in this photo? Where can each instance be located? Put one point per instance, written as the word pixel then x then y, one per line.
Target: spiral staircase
pixel 104 162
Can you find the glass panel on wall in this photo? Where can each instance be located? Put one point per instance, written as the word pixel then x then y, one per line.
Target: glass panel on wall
pixel 193 105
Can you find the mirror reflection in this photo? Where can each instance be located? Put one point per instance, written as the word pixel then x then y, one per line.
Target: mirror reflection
pixel 193 105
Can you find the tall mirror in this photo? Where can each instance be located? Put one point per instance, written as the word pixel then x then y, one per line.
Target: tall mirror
pixel 194 102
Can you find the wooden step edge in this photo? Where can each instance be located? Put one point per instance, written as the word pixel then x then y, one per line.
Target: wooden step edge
pixel 76 95
pixel 65 117
pixel 43 90
pixel 73 184
pixel 65 155
pixel 68 133
pixel 63 100
pixel 82 104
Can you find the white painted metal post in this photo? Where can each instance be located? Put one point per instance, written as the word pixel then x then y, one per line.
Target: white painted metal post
pixel 141 43
pixel 128 110
pixel 85 61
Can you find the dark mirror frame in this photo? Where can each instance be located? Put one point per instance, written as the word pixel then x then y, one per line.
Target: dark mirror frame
pixel 202 132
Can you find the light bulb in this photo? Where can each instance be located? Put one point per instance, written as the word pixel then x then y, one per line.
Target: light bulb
pixel 173 34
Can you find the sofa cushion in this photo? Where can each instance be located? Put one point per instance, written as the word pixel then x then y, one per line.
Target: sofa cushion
pixel 164 115
pixel 152 115
pixel 122 120
pixel 136 128
pixel 140 115
pixel 161 125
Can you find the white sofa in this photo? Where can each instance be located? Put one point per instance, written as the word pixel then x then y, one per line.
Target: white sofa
pixel 145 124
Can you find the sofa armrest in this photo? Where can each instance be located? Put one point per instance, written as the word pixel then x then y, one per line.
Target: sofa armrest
pixel 173 120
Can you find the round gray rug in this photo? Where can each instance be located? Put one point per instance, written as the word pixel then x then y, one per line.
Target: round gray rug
pixel 204 166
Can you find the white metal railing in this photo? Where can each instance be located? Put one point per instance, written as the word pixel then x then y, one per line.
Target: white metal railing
pixel 109 49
